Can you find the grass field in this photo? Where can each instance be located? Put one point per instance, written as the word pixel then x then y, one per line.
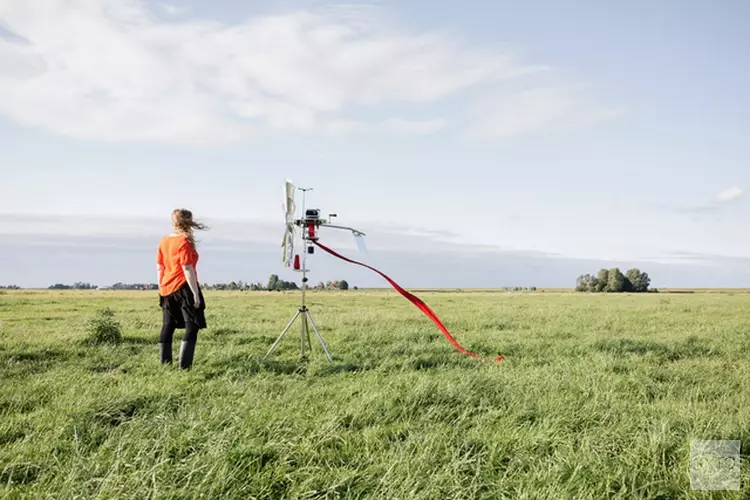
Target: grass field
pixel 598 397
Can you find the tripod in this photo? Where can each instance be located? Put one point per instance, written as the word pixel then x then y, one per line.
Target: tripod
pixel 303 311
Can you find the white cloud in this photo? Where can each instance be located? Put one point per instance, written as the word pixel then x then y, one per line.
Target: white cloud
pixel 730 194
pixel 410 127
pixel 380 236
pixel 712 209
pixel 112 70
pixel 173 10
pixel 535 110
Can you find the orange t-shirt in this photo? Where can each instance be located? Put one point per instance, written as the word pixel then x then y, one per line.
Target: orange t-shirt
pixel 173 253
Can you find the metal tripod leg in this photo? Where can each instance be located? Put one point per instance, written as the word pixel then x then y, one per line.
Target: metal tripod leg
pixel 282 333
pixel 322 342
pixel 304 335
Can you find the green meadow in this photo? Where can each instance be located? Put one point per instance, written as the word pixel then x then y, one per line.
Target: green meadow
pixel 599 396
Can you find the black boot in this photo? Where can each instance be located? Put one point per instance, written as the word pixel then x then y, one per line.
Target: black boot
pixel 165 353
pixel 187 349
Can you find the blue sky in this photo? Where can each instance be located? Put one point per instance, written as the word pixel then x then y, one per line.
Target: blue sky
pixel 583 133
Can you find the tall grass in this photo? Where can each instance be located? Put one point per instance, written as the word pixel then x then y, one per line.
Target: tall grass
pixel 598 397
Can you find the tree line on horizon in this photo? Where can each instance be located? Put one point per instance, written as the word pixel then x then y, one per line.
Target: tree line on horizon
pixel 614 281
pixel 75 286
pixel 274 284
pixel 606 281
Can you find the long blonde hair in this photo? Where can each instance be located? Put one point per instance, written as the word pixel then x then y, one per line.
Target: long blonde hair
pixel 182 220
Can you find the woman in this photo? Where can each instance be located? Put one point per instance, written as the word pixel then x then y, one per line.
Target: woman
pixel 180 296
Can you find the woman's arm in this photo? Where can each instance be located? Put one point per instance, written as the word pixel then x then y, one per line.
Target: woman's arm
pixel 159 274
pixel 192 282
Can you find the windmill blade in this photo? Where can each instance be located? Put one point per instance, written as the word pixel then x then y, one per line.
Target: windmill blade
pixel 289 209
pixel 288 246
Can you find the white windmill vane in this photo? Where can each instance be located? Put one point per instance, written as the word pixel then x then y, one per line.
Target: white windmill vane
pixel 289 209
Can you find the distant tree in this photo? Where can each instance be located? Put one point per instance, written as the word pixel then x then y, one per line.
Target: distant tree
pixel 587 283
pixel 343 285
pixel 616 281
pixel 644 282
pixel 276 284
pixel 639 280
pixel 602 279
pixel 613 281
pixel 273 281
pixel 83 286
pixel 595 285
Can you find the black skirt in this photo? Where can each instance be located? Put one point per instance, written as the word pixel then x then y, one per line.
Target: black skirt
pixel 179 308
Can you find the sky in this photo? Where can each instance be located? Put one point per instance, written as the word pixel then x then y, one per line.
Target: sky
pixel 476 144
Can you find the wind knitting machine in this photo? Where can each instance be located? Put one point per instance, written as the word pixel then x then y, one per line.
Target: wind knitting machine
pixel 309 229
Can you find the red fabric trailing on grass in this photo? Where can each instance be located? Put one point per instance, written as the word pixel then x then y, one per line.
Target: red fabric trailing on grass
pixel 412 298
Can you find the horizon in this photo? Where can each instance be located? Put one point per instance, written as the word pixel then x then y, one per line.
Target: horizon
pixel 49 250
pixel 477 146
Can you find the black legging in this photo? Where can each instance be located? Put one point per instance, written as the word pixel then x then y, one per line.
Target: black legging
pixel 167 332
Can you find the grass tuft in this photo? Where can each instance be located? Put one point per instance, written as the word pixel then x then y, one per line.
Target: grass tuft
pixel 103 328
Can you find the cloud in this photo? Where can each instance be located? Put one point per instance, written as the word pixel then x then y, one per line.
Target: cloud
pixel 730 194
pixel 534 110
pixel 106 259
pixel 697 209
pixel 736 263
pixel 238 231
pixel 112 70
pixel 41 250
pixel 408 127
pixel 173 10
pixel 719 203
